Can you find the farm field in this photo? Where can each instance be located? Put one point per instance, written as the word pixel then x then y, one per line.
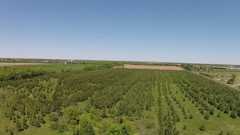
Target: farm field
pixel 108 101
pixel 129 66
pixel 223 76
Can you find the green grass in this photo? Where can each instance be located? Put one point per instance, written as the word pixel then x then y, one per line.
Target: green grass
pixel 223 76
pixel 228 70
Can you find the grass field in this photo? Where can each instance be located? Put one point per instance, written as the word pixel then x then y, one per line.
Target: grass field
pixel 224 75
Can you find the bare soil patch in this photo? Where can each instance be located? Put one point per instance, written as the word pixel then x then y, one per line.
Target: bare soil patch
pixel 18 64
pixel 128 66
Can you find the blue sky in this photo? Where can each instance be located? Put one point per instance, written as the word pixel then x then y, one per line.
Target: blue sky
pixel 195 31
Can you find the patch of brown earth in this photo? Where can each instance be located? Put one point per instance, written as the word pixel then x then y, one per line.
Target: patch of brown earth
pixel 128 66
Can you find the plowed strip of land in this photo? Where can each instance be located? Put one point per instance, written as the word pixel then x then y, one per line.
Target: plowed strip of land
pixel 152 67
pixel 18 64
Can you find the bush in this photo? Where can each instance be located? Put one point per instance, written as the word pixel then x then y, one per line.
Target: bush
pixel 58 126
pixel 211 111
pixel 128 129
pixel 53 117
pixel 185 127
pixel 233 115
pixel 73 122
pixel 177 133
pixel 86 127
pixel 202 128
pixel 206 117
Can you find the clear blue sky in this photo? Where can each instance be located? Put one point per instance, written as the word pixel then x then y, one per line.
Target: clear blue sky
pixel 199 31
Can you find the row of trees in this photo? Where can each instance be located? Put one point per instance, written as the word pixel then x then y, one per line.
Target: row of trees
pixel 13 73
pixel 30 100
pixel 172 118
pixel 208 94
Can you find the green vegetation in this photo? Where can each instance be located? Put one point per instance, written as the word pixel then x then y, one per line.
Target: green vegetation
pixel 232 80
pixel 227 76
pixel 76 66
pixel 98 100
pixel 13 73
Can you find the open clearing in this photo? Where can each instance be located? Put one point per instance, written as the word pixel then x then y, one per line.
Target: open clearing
pixel 18 64
pixel 152 67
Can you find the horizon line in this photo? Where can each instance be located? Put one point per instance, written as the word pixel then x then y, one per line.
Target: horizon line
pixel 147 61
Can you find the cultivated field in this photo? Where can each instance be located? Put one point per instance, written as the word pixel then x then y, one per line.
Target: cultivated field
pixel 128 66
pixel 115 102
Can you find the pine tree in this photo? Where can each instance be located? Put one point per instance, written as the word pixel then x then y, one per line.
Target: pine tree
pixel 41 119
pixel 211 111
pixel 185 127
pixel 19 126
pixel 206 117
pixel 191 117
pixel 233 115
pixel 202 128
pixel 24 123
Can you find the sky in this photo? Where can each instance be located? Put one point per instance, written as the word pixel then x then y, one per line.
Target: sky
pixel 187 31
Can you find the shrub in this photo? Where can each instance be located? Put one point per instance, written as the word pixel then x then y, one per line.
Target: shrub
pixel 202 128
pixel 206 117
pixel 233 115
pixel 185 127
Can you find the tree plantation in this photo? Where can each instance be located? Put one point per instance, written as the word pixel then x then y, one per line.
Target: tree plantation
pixel 115 102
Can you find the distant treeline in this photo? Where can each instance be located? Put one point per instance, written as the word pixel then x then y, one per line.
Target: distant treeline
pixel 14 73
pixel 190 67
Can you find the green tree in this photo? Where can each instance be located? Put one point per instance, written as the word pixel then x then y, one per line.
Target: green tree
pixel 53 117
pixel 86 127
pixel 41 119
pixel 71 113
pixel 233 115
pixel 24 123
pixel 206 117
pixel 191 116
pixel 233 79
pixel 114 130
pixel 185 127
pixel 211 111
pixel 127 129
pixel 19 125
pixel 202 128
